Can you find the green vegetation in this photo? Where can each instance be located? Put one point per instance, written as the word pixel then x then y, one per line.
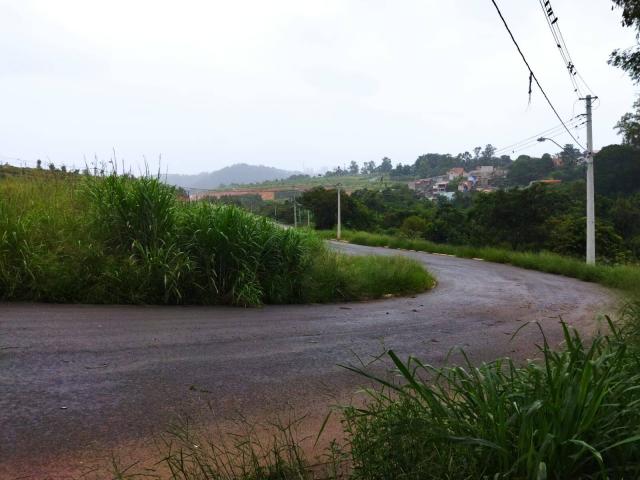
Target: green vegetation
pixel 538 218
pixel 116 239
pixel 572 415
pixel 622 277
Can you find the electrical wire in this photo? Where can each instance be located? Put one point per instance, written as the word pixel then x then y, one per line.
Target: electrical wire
pixel 558 37
pixel 552 23
pixel 533 143
pixel 533 75
pixel 571 123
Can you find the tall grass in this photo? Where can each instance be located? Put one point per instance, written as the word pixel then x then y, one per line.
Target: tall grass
pixel 622 277
pixel 347 277
pixel 572 415
pixel 118 239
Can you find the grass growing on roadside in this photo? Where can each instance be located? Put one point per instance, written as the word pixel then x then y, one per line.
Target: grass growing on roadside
pixel 572 415
pixel 622 277
pixel 346 277
pixel 251 452
pixel 118 239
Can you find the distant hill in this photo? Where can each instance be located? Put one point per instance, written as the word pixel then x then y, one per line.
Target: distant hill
pixel 234 174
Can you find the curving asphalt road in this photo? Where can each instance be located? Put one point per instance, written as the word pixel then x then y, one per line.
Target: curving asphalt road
pixel 76 380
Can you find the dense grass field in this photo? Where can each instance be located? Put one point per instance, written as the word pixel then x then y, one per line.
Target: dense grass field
pixel 117 239
pixel 622 277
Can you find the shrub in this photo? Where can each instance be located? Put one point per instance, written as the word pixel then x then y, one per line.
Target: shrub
pixel 573 415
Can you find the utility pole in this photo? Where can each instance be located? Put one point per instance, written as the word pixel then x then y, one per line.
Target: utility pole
pixel 339 216
pixel 308 218
pixel 591 220
pixel 295 216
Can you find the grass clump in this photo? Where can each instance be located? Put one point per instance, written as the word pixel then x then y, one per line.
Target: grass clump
pixel 251 452
pixel 622 277
pixel 119 239
pixel 574 414
pixel 347 277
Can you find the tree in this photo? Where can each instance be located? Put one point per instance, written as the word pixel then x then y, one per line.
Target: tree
pixel 52 167
pixel 323 204
pixel 39 164
pixel 433 164
pixel 386 166
pixel 617 170
pixel 629 126
pixel 628 59
pixel 414 226
pixel 354 169
pixel 567 236
pixel 526 169
pixel 570 155
pixel 464 158
pixel 368 167
pixel 476 153
pixel 516 218
pixel 488 152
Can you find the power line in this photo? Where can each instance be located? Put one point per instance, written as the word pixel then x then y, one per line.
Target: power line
pixel 554 26
pixel 533 75
pixel 552 23
pixel 535 142
pixel 550 131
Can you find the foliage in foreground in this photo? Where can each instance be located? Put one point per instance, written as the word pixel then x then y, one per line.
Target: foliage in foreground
pixel 573 415
pixel 622 277
pixel 117 239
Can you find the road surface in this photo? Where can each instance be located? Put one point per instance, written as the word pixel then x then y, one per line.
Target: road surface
pixel 77 380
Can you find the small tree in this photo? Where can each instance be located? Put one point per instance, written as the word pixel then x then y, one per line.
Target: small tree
pixel 414 226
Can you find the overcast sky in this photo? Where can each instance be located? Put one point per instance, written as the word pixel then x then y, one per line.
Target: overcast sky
pixel 293 83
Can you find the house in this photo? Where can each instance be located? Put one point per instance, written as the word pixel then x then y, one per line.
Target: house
pixel 422 186
pixel 456 172
pixel 483 175
pixel 441 186
pixel 466 186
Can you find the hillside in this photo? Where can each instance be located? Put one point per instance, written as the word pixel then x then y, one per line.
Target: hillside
pixel 240 173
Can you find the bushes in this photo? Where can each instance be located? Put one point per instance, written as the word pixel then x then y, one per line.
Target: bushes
pixel 573 415
pixel 118 239
pixel 342 277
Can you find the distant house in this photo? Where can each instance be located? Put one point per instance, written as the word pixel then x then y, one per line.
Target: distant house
pixel 557 161
pixel 466 186
pixel 422 186
pixel 483 175
pixel 440 187
pixel 456 172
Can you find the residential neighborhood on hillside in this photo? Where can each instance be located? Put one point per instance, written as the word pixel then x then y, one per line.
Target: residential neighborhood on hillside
pixel 485 178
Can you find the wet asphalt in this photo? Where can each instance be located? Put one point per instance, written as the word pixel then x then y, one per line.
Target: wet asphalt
pixel 81 378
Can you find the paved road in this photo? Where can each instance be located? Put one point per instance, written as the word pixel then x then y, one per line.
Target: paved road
pixel 78 379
